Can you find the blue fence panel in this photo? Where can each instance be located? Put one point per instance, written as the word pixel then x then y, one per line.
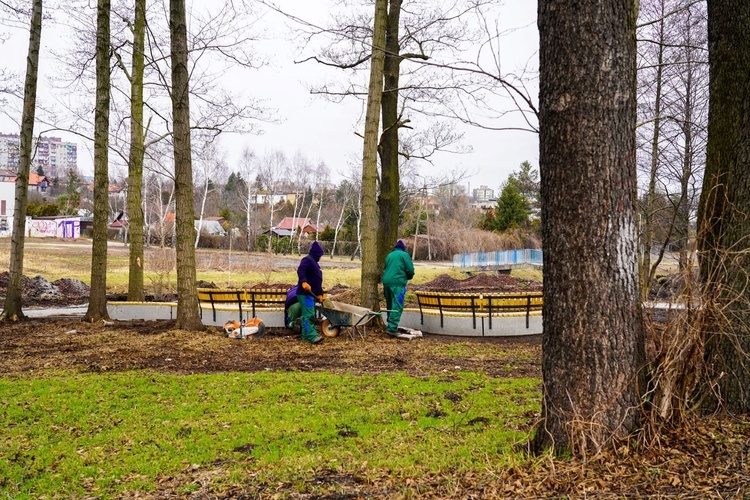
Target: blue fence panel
pixel 498 258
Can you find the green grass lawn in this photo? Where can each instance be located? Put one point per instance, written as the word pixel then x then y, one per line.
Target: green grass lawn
pixel 74 435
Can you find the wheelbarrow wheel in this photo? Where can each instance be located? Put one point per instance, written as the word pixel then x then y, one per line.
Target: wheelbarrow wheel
pixel 329 330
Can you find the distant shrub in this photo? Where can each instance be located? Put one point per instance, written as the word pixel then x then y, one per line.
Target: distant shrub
pixel 448 239
pixel 213 241
pixel 42 209
pixel 327 234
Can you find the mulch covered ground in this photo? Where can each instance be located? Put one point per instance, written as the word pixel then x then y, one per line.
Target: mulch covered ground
pixel 705 458
pixel 157 345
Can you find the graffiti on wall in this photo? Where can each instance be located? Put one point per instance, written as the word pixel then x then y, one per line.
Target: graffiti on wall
pixel 59 228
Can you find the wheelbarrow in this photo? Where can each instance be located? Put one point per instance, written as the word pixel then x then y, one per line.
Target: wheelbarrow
pixel 339 315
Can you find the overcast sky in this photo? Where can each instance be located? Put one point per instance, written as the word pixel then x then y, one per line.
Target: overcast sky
pixel 321 130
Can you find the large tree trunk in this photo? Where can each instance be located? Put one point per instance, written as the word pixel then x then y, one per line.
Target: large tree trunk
pixel 593 341
pixel 388 202
pixel 135 163
pixel 12 307
pixel 725 204
pixel 188 314
pixel 369 236
pixel 97 309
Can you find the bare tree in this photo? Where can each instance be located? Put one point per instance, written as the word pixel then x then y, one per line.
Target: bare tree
pixel 12 307
pixel 673 77
pixel 322 176
pixel 249 168
pixel 220 40
pixel 347 195
pixel 135 157
pixel 188 317
pixel 691 112
pixel 593 340
pixel 426 30
pixel 388 196
pixel 271 171
pixel 97 309
pixel 370 270
pixel 300 171
pixel 210 161
pixel 653 77
pixel 159 201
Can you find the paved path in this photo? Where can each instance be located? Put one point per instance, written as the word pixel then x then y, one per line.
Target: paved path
pixel 57 312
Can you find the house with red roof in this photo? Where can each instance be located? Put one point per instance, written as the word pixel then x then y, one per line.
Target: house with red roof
pixel 287 224
pixel 297 223
pixel 37 182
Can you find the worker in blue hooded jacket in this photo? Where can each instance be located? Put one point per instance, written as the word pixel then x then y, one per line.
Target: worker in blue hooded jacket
pixel 310 287
pixel 399 269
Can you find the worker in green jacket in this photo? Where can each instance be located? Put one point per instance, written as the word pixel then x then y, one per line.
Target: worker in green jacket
pixel 399 269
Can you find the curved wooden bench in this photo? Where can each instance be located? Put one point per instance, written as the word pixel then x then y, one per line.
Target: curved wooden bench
pixel 487 304
pixel 246 300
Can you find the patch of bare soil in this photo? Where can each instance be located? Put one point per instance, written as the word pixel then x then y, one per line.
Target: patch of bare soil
pixel 156 345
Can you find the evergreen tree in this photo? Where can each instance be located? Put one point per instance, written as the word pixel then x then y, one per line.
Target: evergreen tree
pixel 512 209
pixel 526 179
pixel 72 196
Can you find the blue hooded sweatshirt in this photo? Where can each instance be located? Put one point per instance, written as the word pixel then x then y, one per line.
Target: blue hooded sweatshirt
pixel 309 271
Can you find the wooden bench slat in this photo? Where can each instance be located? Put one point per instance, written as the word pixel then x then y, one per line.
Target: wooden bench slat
pixel 247 300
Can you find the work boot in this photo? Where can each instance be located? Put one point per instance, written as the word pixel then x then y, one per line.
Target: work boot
pixel 317 340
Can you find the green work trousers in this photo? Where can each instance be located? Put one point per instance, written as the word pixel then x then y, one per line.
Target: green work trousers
pixel 294 312
pixel 394 302
pixel 307 303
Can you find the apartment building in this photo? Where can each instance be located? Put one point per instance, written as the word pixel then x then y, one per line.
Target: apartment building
pixel 51 153
pixel 483 194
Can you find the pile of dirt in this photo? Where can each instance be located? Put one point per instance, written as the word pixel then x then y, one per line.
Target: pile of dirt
pixel 38 291
pixel 479 283
pixel 346 295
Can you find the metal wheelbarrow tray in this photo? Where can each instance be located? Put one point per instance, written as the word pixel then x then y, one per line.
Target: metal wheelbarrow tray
pixel 339 315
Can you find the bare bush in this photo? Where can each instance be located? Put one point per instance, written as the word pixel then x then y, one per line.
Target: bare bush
pixel 160 265
pixel 447 239
pixel 680 380
pixel 265 267
pixel 674 350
